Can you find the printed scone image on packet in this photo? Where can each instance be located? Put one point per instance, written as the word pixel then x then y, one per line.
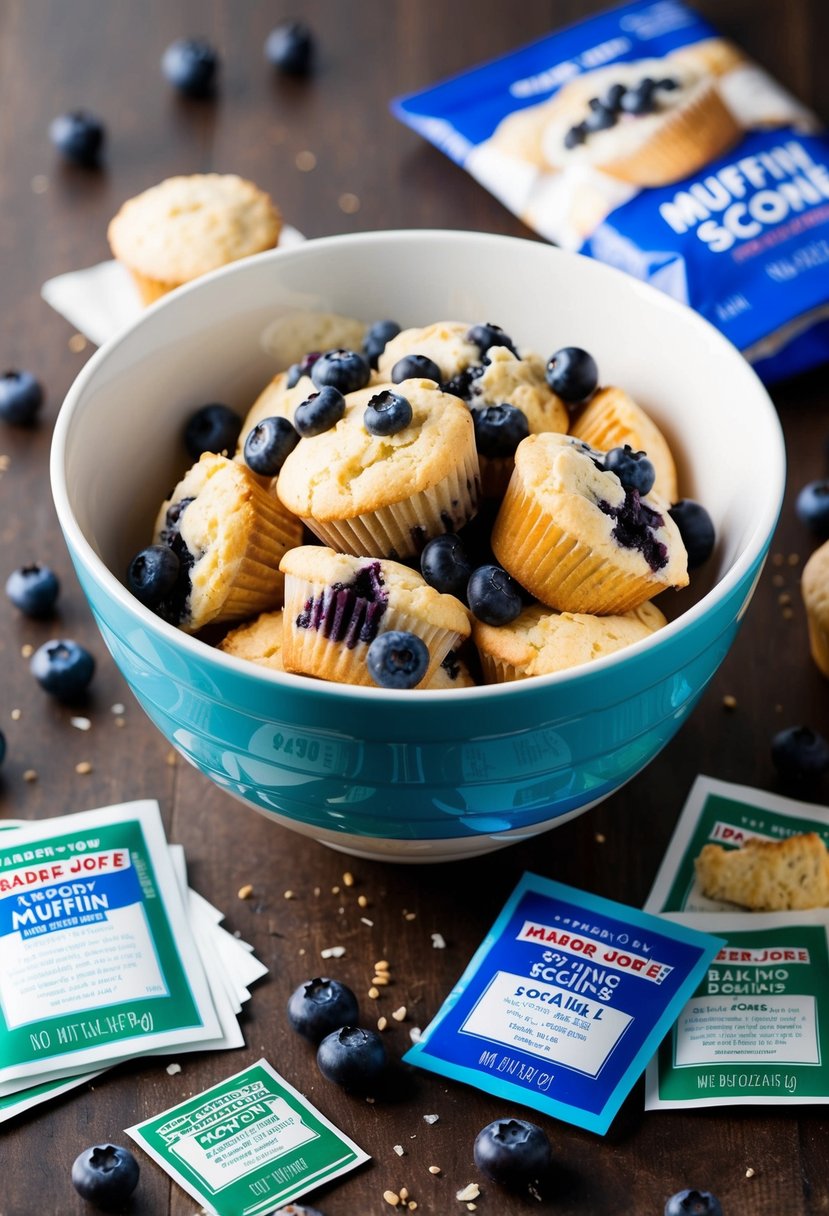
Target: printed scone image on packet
pixel 642 138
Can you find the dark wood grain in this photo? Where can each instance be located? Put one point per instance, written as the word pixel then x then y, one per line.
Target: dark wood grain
pixel 57 54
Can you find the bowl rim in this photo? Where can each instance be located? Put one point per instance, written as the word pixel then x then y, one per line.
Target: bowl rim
pixel 752 553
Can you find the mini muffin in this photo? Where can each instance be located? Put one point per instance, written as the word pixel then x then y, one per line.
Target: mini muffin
pixel 293 335
pixel 386 495
pixel 611 419
pixel 445 343
pixel 230 535
pixel 258 641
pixel 814 587
pixel 185 226
pixel 577 539
pixel 336 605
pixel 539 641
pixel 279 399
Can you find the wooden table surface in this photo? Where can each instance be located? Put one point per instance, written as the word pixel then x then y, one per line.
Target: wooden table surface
pixel 369 173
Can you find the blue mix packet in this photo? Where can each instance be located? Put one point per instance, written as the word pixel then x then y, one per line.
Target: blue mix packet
pixel 642 138
pixel 565 1002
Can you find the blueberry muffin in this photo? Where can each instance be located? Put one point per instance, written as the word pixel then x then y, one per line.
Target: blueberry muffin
pixel 257 641
pixel 336 605
pixel 814 587
pixel 612 419
pixel 185 226
pixel 579 540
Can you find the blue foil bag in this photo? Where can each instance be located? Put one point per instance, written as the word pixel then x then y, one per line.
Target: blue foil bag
pixel 642 138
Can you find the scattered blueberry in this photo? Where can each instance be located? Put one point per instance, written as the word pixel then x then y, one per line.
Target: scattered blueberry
pixel 499 429
pixel 513 1152
pixel 269 445
pixel 321 1006
pixel 800 753
pixel 493 595
pixel 487 335
pixel 320 411
pixel 353 1058
pixel 812 506
pixel 347 370
pixel 633 469
pixel 572 374
pixel 105 1175
pixel 289 47
pixel 191 66
pixel 387 413
pixel 212 428
pixel 396 659
pixel 33 589
pixel 79 136
pixel 696 528
pixel 297 370
pixel 21 396
pixel 62 667
pixel 693 1203
pixel 153 573
pixel 415 367
pixel 377 338
pixel 445 565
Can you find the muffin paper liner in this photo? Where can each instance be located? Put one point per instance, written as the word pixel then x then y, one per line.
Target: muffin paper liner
pixel 612 420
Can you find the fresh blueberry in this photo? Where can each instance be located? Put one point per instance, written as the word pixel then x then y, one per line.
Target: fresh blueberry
pixel 347 370
pixel 600 118
pixel 289 47
pixel 812 506
pixel 377 338
pixel 493 595
pixel 153 573
pixel 572 374
pixel 397 660
pixel 320 412
pixel 297 370
pixel 387 413
pixel 62 667
pixel 105 1175
pixel 33 589
pixel 499 429
pixel 669 83
pixel 191 66
pixel 696 528
pixel 321 1006
pixel 269 445
pixel 213 428
pixel 613 96
pixel 487 335
pixel 693 1203
pixel 79 136
pixel 415 367
pixel 513 1152
pixel 576 135
pixel 445 565
pixel 21 396
pixel 353 1058
pixel 633 469
pixel 799 753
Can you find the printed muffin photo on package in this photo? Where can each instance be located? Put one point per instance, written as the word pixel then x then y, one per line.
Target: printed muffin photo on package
pixel 642 138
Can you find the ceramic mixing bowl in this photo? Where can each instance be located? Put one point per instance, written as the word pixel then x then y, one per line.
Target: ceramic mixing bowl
pixel 414 775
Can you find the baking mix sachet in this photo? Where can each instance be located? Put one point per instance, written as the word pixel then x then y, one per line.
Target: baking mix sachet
pixel 756 1030
pixel 644 139
pixel 105 954
pixel 565 1002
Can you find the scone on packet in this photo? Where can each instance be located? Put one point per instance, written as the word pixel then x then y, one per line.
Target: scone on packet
pixel 642 138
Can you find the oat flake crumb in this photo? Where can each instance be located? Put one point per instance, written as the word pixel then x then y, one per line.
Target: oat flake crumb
pixel 362 900
pixel 430 1118
pixel 600 838
pixel 16 715
pixel 382 1023
pixel 392 1198
pixel 305 161
pixel 750 1172
pixel 398 1148
pixel 472 1191
pixel 373 993
pixel 434 1169
pixel 729 701
pixel 349 203
pixel 365 920
pixel 77 343
pixel 83 768
pixel 27 650
pixel 246 891
pixel 415 1034
pixel 438 941
pixel 172 1069
pixel 333 952
pixel 30 775
pixel 288 895
pixel 409 915
pixel 81 723
pixel 172 759
pixel 348 879
pixel 117 708
pixel 399 1015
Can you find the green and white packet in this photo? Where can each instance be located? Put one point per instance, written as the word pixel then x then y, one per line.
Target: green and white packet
pixel 756 1031
pixel 717 812
pixel 247 1145
pixel 97 960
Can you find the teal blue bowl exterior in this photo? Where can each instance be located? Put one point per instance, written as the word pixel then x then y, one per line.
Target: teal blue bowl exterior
pixel 493 766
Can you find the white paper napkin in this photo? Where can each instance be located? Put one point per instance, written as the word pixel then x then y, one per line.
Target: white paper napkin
pixel 100 300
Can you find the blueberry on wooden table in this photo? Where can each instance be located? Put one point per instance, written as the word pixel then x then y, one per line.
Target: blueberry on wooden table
pixel 212 428
pixel 33 589
pixel 445 565
pixel 633 469
pixel 693 1203
pixel 62 668
pixel 377 338
pixel 79 137
pixel 347 370
pixel 352 1058
pixel 572 374
pixel 289 47
pixel 319 412
pixel 320 1006
pixel 191 65
pixel 269 444
pixel 696 529
pixel 105 1175
pixel 21 397
pixel 812 507
pixel 493 595
pixel 415 367
pixel 513 1152
pixel 800 753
